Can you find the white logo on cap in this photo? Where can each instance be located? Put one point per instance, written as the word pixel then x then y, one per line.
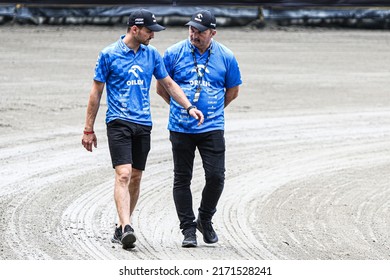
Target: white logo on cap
pixel 139 21
pixel 154 18
pixel 199 17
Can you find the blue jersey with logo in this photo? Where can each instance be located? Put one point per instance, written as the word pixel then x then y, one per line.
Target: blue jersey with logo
pixel 128 76
pixel 222 72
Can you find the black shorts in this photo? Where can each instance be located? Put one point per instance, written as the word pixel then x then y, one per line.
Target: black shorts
pixel 129 143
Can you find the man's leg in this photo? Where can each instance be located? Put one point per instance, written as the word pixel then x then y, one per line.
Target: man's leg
pixel 123 174
pixel 183 158
pixel 212 151
pixel 121 193
pixel 183 150
pixel 134 189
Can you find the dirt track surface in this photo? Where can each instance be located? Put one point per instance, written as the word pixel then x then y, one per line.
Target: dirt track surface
pixel 308 154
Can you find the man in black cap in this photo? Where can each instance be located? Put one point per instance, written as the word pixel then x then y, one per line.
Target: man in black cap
pixel 208 73
pixel 126 68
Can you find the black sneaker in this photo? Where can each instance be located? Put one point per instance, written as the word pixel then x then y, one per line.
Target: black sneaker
pixel 189 238
pixel 128 238
pixel 117 235
pixel 206 228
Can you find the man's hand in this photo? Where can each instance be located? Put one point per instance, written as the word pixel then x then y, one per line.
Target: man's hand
pixel 89 140
pixel 197 114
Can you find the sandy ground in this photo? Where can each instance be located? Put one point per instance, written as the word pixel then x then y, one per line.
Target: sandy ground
pixel 308 154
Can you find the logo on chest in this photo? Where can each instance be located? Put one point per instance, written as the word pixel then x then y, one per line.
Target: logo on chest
pixel 134 71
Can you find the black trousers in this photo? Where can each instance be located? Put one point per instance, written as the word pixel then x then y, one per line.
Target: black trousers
pixel 211 146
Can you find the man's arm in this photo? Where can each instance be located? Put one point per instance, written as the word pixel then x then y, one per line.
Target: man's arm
pixel 167 87
pixel 231 94
pixel 89 137
pixel 162 92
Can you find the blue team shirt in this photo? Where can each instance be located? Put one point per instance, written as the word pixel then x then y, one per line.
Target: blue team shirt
pixel 128 77
pixel 222 72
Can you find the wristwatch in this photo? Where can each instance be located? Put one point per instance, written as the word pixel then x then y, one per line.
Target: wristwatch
pixel 189 108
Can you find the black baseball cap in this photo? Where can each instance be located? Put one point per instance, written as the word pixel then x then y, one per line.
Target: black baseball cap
pixel 145 18
pixel 203 20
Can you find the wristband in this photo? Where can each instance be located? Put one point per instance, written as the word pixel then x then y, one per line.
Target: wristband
pixel 189 108
pixel 88 132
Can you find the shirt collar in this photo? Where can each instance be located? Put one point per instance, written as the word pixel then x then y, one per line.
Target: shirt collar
pixel 125 48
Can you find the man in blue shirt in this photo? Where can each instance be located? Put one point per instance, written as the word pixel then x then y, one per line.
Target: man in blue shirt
pixel 127 67
pixel 208 73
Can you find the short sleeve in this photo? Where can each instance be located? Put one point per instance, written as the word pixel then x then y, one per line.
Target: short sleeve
pixel 101 68
pixel 159 69
pixel 233 75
